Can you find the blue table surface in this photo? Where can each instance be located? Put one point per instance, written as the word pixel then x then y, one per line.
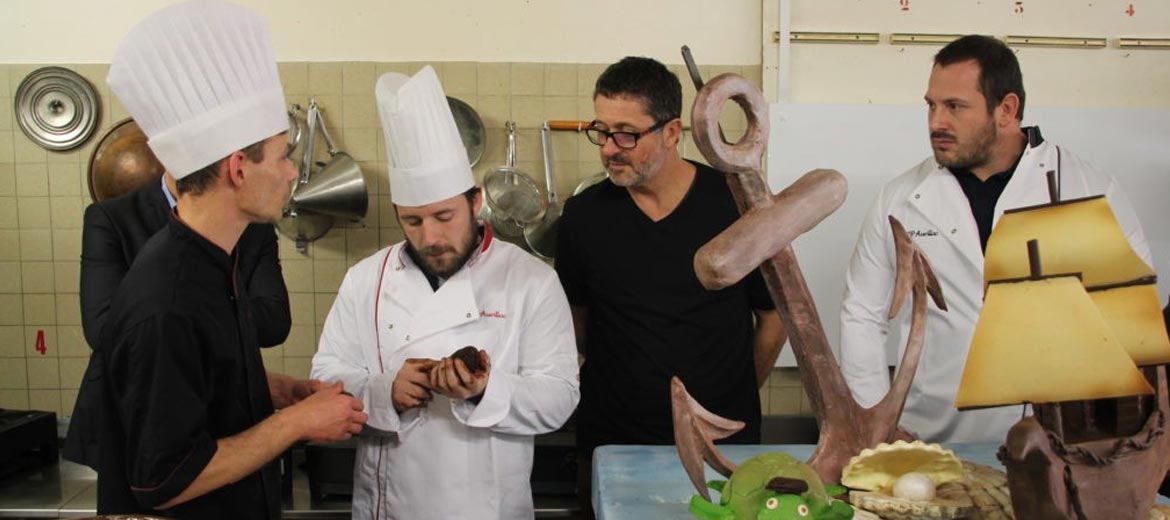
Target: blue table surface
pixel 639 482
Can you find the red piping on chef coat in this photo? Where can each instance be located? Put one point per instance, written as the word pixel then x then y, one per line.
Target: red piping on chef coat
pixel 487 237
pixel 381 370
pixel 483 248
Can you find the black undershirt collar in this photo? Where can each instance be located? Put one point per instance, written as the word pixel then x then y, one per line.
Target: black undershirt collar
pixel 982 196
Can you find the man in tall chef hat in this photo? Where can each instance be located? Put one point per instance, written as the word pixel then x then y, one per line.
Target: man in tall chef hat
pixel 445 439
pixel 188 428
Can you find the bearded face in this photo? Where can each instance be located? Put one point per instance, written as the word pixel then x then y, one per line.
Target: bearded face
pixel 441 236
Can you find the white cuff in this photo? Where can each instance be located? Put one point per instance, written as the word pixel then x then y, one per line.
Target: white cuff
pixel 493 408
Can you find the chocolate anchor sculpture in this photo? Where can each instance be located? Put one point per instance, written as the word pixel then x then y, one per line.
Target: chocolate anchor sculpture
pixel 762 238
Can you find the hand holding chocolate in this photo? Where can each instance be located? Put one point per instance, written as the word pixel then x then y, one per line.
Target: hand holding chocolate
pixel 467 382
pixel 470 357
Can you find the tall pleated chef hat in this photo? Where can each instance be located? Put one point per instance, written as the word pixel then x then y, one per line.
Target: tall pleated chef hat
pixel 427 161
pixel 200 79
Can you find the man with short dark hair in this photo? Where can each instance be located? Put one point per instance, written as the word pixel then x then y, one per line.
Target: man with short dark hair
pixel 984 163
pixel 115 230
pixel 625 256
pixel 188 429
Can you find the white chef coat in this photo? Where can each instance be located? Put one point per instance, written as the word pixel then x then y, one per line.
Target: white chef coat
pixel 451 459
pixel 931 205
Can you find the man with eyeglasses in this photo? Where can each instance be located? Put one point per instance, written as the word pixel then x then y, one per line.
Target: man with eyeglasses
pixel 625 257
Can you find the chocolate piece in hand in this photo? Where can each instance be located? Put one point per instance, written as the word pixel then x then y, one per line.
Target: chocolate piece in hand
pixel 470 357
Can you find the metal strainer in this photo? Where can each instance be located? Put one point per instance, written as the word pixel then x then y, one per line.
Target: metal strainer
pixel 514 199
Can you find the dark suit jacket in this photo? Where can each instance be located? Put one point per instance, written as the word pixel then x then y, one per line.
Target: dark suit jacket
pixel 115 231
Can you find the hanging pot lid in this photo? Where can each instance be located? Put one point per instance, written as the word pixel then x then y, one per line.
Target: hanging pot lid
pixel 590 181
pixel 122 162
pixel 470 127
pixel 57 108
pixel 304 226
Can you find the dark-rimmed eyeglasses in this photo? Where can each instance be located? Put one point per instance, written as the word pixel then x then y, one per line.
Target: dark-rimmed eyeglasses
pixel 624 140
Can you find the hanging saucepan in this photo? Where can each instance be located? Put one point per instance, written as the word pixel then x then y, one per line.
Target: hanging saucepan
pixel 338 189
pixel 311 116
pixel 579 126
pixel 512 199
pixel 697 79
pixel 304 226
pixel 541 236
pixel 471 130
pixel 295 129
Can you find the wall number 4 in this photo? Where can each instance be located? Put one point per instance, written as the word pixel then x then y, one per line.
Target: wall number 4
pixel 40 346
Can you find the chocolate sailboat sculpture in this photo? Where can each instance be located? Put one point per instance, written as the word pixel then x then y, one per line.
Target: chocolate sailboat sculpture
pixel 1069 314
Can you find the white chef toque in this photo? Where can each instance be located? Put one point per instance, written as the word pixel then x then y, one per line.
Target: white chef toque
pixel 200 79
pixel 427 161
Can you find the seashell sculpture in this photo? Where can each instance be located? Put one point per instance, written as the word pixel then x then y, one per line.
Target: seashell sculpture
pixel 877 468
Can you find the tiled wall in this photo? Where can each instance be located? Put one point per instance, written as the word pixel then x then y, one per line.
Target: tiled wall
pixel 43 195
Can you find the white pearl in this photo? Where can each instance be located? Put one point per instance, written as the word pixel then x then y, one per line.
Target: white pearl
pixel 914 486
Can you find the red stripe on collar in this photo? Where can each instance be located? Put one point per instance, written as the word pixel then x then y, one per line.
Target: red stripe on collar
pixel 484 245
pixel 487 237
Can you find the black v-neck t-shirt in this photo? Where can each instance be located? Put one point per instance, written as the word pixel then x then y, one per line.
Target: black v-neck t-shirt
pixel 649 318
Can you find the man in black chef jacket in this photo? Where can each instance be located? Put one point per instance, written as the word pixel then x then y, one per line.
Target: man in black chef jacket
pixel 115 230
pixel 188 429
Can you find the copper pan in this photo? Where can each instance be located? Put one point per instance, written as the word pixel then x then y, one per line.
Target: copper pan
pixel 122 162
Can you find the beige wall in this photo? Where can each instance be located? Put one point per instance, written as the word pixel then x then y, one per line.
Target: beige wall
pixel 1062 77
pixel 561 31
pixel 895 74
pixel 43 194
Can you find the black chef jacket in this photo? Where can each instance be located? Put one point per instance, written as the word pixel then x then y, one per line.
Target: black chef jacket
pixel 115 231
pixel 183 369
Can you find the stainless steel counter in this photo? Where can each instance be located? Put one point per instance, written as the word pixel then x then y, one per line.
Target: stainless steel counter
pixel 69 490
pixel 44 492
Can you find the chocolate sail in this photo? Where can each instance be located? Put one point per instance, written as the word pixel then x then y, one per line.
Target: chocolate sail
pixel 1044 340
pixel 1083 236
